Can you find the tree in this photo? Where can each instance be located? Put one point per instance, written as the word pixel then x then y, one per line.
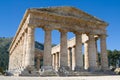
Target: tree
pixel 114 58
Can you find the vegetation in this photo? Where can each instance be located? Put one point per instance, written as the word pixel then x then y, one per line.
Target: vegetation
pixel 39 45
pixel 4 55
pixel 114 58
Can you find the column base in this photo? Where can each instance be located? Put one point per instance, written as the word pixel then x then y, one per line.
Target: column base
pixel 79 68
pixel 26 71
pixel 14 72
pixel 46 68
pixel 64 71
pixel 93 69
pixel 48 71
pixel 29 71
pixel 105 69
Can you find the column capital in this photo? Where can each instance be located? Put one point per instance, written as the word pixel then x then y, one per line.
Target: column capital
pixel 53 53
pixel 30 30
pixel 70 48
pixel 96 38
pixel 78 33
pixel 57 52
pixel 63 31
pixel 103 36
pixel 91 36
pixel 47 29
pixel 73 46
pixel 86 41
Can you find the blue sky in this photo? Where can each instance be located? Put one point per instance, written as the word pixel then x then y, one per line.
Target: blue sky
pixel 12 11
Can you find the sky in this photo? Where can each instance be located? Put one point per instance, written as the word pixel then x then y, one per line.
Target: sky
pixel 12 11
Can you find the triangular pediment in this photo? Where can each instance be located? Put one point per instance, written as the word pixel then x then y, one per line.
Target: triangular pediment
pixel 71 12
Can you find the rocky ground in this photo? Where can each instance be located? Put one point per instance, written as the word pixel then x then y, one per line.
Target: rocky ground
pixel 62 78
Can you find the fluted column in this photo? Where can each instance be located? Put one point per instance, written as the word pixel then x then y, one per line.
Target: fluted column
pixel 30 47
pixel 78 52
pixel 104 58
pixel 73 58
pixel 47 57
pixel 92 53
pixel 86 60
pixel 63 49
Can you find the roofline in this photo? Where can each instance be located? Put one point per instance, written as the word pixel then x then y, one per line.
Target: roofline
pixel 98 19
pixel 20 25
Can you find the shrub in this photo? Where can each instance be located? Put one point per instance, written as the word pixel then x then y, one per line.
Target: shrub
pixel 1 71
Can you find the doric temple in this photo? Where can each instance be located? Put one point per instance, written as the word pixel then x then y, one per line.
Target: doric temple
pixel 67 57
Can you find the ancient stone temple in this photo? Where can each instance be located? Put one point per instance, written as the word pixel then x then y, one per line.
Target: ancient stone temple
pixel 68 55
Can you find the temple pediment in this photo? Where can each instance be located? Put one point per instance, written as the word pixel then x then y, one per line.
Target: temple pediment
pixel 70 12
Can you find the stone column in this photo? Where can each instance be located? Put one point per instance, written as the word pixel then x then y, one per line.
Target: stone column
pixel 17 58
pixel 86 61
pixel 97 59
pixel 104 58
pixel 24 48
pixel 57 61
pixel 29 62
pixel 73 58
pixel 10 67
pixel 53 61
pixel 18 51
pixel 38 63
pixel 69 58
pixel 63 50
pixel 78 52
pixel 92 53
pixel 20 54
pixel 47 57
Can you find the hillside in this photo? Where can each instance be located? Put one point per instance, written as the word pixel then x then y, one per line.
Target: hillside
pixel 4 54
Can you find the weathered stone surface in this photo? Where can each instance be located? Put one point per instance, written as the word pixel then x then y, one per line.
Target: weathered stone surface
pixel 104 58
pixel 78 52
pixel 64 19
pixel 92 53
